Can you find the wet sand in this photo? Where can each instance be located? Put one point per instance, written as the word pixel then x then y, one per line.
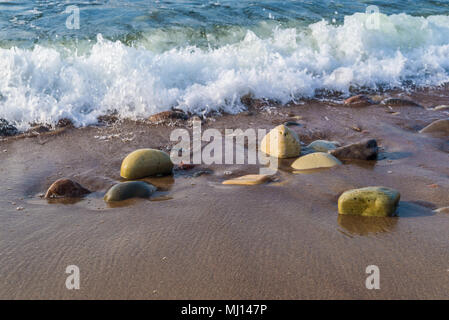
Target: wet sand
pixel 199 239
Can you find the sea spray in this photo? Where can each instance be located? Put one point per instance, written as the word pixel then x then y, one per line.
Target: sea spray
pixel 46 82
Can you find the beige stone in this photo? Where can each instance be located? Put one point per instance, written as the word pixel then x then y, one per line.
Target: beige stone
pixel 145 162
pixel 281 142
pixel 249 179
pixel 440 127
pixel 369 201
pixel 442 210
pixel 315 160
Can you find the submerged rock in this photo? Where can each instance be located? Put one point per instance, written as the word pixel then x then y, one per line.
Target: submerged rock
pixel 438 127
pixel 167 116
pixel 38 129
pixel 66 188
pixel 64 122
pixel 360 100
pixel 363 150
pixel 144 163
pixel 323 145
pixel 315 161
pixel 7 129
pixel 281 142
pixel 249 179
pixel 400 102
pixel 128 190
pixel 369 201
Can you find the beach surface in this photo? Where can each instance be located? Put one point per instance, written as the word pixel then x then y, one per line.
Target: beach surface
pixel 199 239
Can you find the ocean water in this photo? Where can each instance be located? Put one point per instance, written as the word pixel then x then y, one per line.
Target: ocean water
pixel 139 57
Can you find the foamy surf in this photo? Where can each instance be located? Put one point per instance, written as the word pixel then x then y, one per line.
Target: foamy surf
pixel 50 82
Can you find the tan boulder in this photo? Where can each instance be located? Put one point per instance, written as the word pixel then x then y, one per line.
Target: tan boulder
pixel 249 179
pixel 145 162
pixel 369 201
pixel 281 142
pixel 315 161
pixel 438 127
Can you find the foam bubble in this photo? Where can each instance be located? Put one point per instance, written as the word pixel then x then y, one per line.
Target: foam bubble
pixel 46 83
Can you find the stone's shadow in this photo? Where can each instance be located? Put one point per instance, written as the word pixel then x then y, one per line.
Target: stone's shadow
pixel 123 203
pixel 365 164
pixel 359 225
pixel 163 183
pixel 362 226
pixel 393 155
pixel 412 210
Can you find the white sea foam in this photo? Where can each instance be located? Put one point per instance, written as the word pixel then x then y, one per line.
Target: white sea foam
pixel 45 83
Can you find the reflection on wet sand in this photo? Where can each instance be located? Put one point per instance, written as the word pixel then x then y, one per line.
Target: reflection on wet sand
pixel 359 225
pixel 363 226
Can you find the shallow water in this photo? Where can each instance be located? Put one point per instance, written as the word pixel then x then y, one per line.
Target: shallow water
pixel 141 57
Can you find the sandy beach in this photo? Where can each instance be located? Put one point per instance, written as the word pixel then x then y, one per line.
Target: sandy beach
pixel 198 239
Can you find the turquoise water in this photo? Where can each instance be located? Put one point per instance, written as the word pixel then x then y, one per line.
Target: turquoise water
pixel 140 57
pixel 126 20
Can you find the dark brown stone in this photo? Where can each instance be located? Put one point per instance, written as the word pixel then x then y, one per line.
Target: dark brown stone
pixel 39 129
pixel 438 127
pixel 66 188
pixel 400 102
pixel 360 100
pixel 64 122
pixel 185 166
pixel 363 150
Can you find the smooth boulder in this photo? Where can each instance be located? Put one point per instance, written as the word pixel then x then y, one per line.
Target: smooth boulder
pixel 369 201
pixel 144 163
pixel 248 180
pixel 315 161
pixel 438 127
pixel 363 150
pixel 281 142
pixel 66 188
pixel 128 190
